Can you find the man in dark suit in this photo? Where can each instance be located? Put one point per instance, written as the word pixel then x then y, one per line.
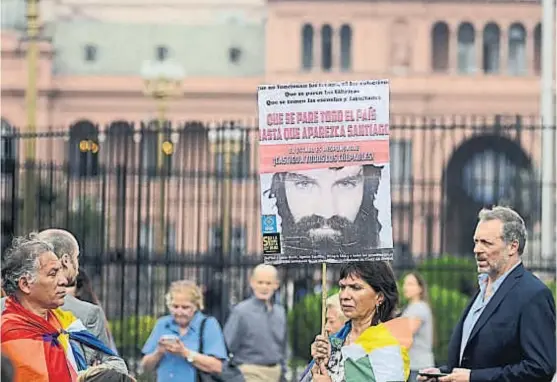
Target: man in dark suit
pixel 507 332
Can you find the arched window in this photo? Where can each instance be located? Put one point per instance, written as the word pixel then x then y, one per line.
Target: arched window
pixel 326 47
pixel 191 144
pixel 538 49
pixel 517 50
pixel 440 47
pixel 84 149
pixel 8 147
pixel 491 48
pixel 120 156
pixel 488 175
pixel 466 49
pixel 307 47
pixel 120 143
pixel 152 151
pixel 9 189
pixel 239 159
pixel 346 47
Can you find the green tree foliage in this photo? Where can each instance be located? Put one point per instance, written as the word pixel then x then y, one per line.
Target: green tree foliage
pixel 447 306
pixel 451 282
pixel 451 272
pixel 131 332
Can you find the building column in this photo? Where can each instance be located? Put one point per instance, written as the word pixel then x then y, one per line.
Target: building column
pixel 317 48
pixel 335 49
pixel 453 49
pixel 529 48
pixel 503 51
pixel 479 51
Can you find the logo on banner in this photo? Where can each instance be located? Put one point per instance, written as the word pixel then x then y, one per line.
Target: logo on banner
pixel 269 223
pixel 271 243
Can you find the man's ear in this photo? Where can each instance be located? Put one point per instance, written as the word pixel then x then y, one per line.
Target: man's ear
pixel 24 284
pixel 65 260
pixel 513 246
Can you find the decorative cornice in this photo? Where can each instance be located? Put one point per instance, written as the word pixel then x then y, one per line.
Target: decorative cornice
pixel 57 94
pixel 463 2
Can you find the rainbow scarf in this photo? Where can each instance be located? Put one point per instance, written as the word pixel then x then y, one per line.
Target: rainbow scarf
pixel 56 355
pixel 380 354
pixel 39 351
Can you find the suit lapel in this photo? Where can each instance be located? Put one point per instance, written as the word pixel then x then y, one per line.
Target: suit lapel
pixel 497 298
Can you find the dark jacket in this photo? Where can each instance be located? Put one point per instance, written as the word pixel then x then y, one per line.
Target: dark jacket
pixel 514 338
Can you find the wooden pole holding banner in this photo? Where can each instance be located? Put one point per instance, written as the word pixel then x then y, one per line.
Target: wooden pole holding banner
pixel 324 293
pixel 323 298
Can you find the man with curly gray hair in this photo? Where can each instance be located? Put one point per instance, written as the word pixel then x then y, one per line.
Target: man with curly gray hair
pixel 66 248
pixel 31 331
pixel 21 275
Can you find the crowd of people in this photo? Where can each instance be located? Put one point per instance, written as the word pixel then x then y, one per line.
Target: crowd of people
pixel 49 310
pixel 252 346
pixel 54 329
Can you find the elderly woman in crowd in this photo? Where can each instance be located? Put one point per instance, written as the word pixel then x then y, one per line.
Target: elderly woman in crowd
pixel 372 345
pixel 335 318
pixel 35 332
pixel 172 348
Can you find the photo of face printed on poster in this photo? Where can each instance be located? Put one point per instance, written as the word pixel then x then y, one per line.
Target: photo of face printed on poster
pixel 328 211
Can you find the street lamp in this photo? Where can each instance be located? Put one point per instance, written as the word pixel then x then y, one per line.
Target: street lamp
pixel 225 142
pixel 163 81
pixel 33 34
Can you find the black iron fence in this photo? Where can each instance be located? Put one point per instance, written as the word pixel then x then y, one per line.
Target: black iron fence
pixel 150 205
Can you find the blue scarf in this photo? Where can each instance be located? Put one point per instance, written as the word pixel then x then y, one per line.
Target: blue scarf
pixel 341 334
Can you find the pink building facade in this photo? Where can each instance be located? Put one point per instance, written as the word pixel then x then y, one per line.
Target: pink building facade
pixel 454 66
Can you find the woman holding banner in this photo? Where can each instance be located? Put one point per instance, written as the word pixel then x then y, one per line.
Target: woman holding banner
pixel 373 345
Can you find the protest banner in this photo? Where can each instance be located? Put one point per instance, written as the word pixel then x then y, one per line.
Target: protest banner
pixel 324 172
